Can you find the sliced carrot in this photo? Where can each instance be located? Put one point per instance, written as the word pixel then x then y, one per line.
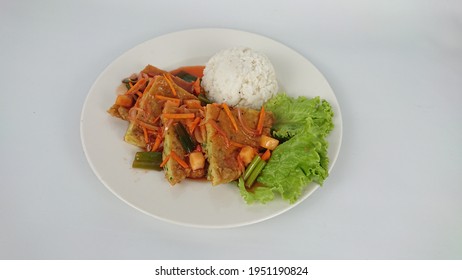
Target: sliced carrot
pixel 236 144
pixel 164 162
pixel 266 155
pixel 194 124
pixel 147 125
pixel 260 120
pixel 192 103
pixel 179 116
pixel 230 116
pixel 179 160
pixel 136 86
pixel 157 142
pixel 161 97
pixel 170 83
pixel 150 83
pixel 146 136
pixel 197 86
pixel 197 71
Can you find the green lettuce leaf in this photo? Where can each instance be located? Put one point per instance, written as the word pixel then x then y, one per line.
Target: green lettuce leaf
pixel 295 114
pixel 303 125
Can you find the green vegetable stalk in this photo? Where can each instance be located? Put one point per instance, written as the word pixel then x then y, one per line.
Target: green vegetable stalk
pixel 147 160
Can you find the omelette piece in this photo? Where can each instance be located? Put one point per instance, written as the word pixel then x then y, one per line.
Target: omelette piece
pixel 150 109
pixel 223 142
pixel 175 172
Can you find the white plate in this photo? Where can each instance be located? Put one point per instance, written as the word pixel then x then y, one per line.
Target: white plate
pixel 190 203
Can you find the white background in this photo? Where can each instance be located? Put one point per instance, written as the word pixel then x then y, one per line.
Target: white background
pixel 396 189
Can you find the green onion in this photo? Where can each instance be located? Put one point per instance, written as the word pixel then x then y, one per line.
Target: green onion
pixel 256 159
pixel 185 139
pixel 253 176
pixel 148 160
pixel 204 100
pixel 187 77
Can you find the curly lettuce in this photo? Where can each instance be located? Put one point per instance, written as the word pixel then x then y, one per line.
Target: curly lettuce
pixel 302 125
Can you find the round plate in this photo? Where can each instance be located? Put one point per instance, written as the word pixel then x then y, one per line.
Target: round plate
pixel 191 203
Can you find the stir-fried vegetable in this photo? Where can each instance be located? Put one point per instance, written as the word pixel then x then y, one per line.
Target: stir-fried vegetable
pixel 185 138
pixel 147 160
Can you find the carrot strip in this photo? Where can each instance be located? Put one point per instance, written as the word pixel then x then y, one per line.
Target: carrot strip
pixel 179 116
pixel 161 97
pixel 230 116
pixel 157 142
pixel 150 83
pixel 145 132
pixel 136 86
pixel 147 125
pixel 266 155
pixel 236 144
pixel 164 162
pixel 260 121
pixel 194 124
pixel 197 70
pixel 192 103
pixel 170 83
pixel 197 86
pixel 179 160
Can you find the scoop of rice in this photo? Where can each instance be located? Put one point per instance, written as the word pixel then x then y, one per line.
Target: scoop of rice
pixel 239 76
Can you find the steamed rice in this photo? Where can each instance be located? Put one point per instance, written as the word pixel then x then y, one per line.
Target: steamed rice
pixel 240 76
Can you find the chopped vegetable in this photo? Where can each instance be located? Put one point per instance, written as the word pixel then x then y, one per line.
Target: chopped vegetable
pixel 148 160
pixel 260 120
pixel 197 71
pixel 141 82
pixel 185 139
pixel 170 83
pixel 193 103
pixel 196 160
pixel 150 83
pixel 178 159
pixel 197 86
pixel 256 170
pixel 164 162
pixel 146 136
pixel 157 143
pixel 250 168
pixel 124 101
pixel 246 154
pixel 204 99
pixel 266 155
pixel 268 142
pixel 161 97
pixel 230 116
pixel 179 116
pixel 186 76
pixel 194 124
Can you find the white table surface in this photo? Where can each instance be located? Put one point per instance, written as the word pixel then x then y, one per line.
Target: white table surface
pixel 394 193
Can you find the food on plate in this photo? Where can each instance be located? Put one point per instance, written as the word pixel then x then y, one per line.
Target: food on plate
pixel 240 76
pixel 232 139
pixel 185 124
pixel 302 125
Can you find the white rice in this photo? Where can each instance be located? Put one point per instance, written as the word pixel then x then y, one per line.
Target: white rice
pixel 240 76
